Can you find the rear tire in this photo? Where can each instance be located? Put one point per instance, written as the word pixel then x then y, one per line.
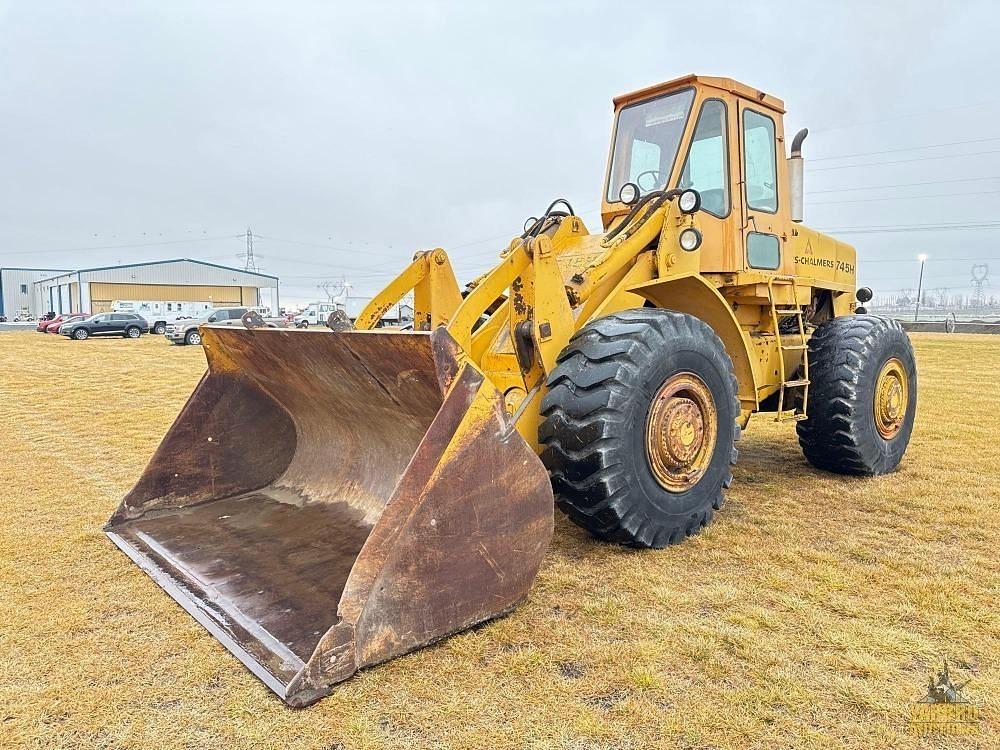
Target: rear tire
pixel 862 396
pixel 603 427
pixel 159 329
pixel 132 332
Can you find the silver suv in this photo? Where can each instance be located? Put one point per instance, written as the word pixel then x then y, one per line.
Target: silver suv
pixel 186 331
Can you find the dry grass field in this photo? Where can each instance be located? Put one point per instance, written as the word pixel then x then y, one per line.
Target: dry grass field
pixel 810 614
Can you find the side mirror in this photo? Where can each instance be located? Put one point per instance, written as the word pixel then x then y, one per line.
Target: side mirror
pixel 864 294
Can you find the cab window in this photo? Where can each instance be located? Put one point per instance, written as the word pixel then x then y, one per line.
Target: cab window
pixel 763 251
pixel 760 169
pixel 647 137
pixel 706 168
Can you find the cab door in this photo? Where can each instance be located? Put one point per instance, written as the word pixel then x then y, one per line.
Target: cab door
pixel 707 169
pixel 761 199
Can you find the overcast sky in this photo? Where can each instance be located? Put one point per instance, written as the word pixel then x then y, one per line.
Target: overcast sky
pixel 349 135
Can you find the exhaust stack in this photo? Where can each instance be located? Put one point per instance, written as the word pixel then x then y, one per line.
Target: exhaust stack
pixel 796 174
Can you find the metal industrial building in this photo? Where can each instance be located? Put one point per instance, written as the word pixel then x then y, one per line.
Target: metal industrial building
pixel 181 280
pixel 17 294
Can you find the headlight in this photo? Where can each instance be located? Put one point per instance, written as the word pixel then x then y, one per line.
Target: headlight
pixel 690 239
pixel 629 193
pixel 689 202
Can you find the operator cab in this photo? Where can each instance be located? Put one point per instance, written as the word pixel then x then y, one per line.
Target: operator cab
pixel 720 138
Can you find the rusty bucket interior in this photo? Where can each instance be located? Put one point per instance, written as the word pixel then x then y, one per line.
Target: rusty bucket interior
pixel 327 501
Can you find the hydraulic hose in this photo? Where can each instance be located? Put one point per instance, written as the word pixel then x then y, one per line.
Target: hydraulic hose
pixel 656 198
pixel 536 227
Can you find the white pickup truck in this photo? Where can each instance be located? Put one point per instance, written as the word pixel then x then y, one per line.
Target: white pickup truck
pixel 186 331
pixel 314 315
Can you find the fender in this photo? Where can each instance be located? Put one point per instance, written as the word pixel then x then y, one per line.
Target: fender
pixel 693 295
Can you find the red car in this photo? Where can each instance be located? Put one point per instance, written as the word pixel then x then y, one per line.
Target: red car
pixel 44 321
pixel 57 323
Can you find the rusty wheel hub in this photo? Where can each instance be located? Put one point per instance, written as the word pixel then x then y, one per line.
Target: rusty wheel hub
pixel 891 399
pixel 681 432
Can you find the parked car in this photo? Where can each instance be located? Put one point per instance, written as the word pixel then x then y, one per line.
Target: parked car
pixel 56 325
pixel 129 325
pixel 44 321
pixel 186 331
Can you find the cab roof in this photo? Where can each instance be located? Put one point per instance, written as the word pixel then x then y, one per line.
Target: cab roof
pixel 723 84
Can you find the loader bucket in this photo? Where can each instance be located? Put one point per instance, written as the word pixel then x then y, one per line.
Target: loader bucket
pixel 328 501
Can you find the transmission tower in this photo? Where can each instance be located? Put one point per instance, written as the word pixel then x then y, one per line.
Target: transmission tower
pixel 249 262
pixel 336 291
pixel 980 279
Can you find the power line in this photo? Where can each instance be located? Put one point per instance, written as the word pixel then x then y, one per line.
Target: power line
pixel 921 113
pixel 902 198
pixel 904 161
pixel 901 184
pixel 929 260
pixel 911 228
pixel 124 247
pixel 911 148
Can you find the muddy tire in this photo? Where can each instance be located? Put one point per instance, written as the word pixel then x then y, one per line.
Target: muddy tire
pixel 862 396
pixel 639 426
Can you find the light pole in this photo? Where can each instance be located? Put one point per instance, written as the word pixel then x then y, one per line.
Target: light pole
pixel 920 284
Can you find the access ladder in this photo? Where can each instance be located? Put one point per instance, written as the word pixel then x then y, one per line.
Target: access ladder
pixel 778 313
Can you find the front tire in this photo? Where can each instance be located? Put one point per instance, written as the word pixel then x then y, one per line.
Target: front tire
pixel 639 427
pixel 192 338
pixel 862 396
pixel 80 334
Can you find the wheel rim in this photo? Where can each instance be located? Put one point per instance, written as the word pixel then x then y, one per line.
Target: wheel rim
pixel 195 338
pixel 892 397
pixel 133 333
pixel 681 432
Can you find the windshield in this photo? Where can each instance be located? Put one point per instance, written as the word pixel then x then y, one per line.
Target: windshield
pixel 646 141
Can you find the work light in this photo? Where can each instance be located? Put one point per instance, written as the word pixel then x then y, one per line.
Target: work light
pixel 629 193
pixel 689 202
pixel 690 239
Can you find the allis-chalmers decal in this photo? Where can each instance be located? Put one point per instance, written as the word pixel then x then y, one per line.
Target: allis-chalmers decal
pixel 838 265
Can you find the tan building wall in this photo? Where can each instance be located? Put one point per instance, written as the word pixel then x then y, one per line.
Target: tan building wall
pixel 103 294
pixel 251 296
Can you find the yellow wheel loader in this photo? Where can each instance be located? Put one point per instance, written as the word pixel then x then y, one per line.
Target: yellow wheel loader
pixel 331 499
